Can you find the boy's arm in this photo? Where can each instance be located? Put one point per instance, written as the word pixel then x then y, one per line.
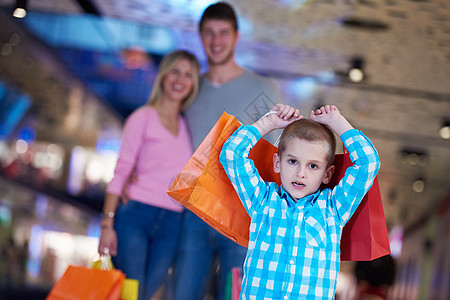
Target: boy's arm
pixel 241 170
pixel 358 179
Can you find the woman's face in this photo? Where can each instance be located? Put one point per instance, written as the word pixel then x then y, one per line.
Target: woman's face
pixel 179 81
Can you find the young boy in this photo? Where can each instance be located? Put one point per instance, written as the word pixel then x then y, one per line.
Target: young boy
pixel 295 231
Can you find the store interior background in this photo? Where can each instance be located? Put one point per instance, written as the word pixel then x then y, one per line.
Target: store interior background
pixel 72 70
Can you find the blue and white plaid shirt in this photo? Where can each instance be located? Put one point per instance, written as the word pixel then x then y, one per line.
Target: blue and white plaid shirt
pixel 294 247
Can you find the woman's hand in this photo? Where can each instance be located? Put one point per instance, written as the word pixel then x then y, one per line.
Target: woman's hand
pixel 108 241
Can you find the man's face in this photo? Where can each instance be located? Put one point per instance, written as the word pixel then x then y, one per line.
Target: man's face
pixel 303 167
pixel 219 39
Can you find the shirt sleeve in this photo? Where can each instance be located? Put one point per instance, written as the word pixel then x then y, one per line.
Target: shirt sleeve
pixel 241 170
pixel 358 179
pixel 132 140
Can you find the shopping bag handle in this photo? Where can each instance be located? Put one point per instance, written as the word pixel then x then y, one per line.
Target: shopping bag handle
pixel 103 262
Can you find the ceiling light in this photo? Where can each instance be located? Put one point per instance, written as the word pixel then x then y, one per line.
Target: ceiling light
pixel 418 185
pixel 413 157
pixel 356 73
pixel 444 132
pixel 20 10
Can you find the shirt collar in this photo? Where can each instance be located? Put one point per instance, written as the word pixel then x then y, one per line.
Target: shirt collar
pixel 311 199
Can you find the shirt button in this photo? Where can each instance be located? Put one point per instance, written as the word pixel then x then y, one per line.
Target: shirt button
pixel 296 227
pixel 286 297
pixel 291 261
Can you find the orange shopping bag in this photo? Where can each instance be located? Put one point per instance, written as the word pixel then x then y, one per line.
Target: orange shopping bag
pixel 81 283
pixel 204 188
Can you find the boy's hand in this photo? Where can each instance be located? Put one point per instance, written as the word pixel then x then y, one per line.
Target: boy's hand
pixel 279 117
pixel 282 115
pixel 325 115
pixel 331 116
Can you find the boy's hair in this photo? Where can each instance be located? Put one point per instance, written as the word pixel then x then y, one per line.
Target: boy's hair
pixel 164 68
pixel 310 131
pixel 219 11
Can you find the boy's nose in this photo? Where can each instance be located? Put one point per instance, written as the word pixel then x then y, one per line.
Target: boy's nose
pixel 301 172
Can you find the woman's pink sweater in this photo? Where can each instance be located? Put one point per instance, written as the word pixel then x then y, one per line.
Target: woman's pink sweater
pixel 156 155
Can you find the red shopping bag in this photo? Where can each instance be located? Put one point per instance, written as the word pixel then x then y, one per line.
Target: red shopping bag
pixel 365 235
pixel 81 283
pixel 204 188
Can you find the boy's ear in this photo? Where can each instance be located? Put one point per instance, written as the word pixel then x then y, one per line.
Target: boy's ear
pixel 276 163
pixel 328 174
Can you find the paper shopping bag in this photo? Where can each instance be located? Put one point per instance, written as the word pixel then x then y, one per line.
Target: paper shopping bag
pixel 81 283
pixel 130 287
pixel 365 236
pixel 204 188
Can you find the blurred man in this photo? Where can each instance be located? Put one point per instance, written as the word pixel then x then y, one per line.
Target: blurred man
pixel 228 87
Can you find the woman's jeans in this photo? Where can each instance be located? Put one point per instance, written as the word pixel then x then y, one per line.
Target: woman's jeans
pixel 147 242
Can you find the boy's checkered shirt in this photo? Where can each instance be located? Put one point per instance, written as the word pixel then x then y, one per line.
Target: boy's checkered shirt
pixel 294 247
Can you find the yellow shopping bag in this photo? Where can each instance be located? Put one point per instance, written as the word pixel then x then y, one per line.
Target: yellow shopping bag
pixel 130 287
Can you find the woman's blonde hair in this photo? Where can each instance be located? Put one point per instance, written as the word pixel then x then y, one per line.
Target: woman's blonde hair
pixel 164 68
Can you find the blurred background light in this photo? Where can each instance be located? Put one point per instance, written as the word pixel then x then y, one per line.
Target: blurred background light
pixel 20 10
pixel 356 72
pixel 21 146
pixel 444 131
pixel 418 185
pixel 304 87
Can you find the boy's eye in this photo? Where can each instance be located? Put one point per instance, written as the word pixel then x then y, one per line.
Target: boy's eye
pixel 313 166
pixel 292 161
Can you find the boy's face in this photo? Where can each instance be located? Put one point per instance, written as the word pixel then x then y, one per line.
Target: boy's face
pixel 303 167
pixel 219 39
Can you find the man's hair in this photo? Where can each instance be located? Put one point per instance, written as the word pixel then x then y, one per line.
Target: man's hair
pixel 219 11
pixel 310 131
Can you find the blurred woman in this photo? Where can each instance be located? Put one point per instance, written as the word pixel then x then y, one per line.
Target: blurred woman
pixel 142 234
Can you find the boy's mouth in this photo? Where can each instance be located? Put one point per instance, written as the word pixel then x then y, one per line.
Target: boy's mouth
pixel 298 185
